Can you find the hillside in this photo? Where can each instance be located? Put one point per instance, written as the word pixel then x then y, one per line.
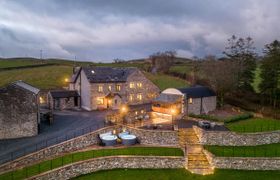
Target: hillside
pixel 53 72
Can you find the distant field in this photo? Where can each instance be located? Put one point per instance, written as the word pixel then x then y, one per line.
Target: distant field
pixel 183 68
pixel 48 77
pixel 52 77
pixel 164 81
pixel 5 63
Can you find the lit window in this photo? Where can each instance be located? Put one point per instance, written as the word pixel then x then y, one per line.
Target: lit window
pixel 110 88
pixel 118 87
pixel 100 88
pixel 131 85
pixel 41 100
pixel 100 101
pixel 142 111
pixel 139 96
pixel 131 97
pixel 139 85
pixel 136 112
pixel 190 100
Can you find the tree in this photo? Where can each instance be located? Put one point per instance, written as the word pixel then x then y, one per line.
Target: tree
pixel 162 61
pixel 270 72
pixel 221 76
pixel 242 51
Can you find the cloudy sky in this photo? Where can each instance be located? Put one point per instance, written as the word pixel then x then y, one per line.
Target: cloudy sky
pixel 102 30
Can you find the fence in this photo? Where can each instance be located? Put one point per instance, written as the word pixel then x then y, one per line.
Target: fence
pixel 48 142
pixel 81 156
pixel 243 151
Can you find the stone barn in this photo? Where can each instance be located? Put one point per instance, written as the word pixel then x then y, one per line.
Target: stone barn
pixel 182 101
pixel 63 99
pixel 19 110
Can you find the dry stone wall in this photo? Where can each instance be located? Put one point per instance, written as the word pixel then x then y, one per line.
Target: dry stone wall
pixel 146 137
pixel 106 163
pixel 228 138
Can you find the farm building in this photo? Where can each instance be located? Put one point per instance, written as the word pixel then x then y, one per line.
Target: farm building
pixel 182 101
pixel 19 110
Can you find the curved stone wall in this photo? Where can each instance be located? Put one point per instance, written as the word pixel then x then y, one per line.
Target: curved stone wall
pixel 113 162
pixel 228 138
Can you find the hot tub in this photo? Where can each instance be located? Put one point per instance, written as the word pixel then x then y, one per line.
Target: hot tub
pixel 128 139
pixel 109 140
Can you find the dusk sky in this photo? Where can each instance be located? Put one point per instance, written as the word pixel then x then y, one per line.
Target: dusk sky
pixel 102 30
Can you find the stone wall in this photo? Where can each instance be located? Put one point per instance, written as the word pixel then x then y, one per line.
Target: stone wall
pixel 18 113
pixel 106 163
pixel 208 104
pixel 247 163
pixel 228 138
pixel 146 137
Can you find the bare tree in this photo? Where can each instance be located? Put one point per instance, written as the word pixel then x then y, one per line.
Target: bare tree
pixel 162 61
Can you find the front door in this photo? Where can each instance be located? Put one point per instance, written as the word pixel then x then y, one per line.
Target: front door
pixel 109 103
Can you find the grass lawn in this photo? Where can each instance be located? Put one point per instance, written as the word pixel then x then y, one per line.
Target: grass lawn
pixel 254 125
pixel 269 150
pixel 48 77
pixel 79 156
pixel 164 81
pixel 178 174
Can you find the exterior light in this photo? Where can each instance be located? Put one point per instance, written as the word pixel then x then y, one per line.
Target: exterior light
pixel 123 109
pixel 66 80
pixel 173 111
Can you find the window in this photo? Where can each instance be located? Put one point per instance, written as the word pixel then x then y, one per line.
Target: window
pixel 110 88
pixel 131 97
pixel 131 85
pixel 190 100
pixel 100 101
pixel 139 96
pixel 100 88
pixel 118 87
pixel 136 112
pixel 139 85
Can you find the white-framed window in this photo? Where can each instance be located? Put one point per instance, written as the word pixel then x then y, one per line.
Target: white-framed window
pixel 139 85
pixel 131 97
pixel 118 88
pixel 100 101
pixel 100 88
pixel 132 85
pixel 190 100
pixel 110 88
pixel 139 97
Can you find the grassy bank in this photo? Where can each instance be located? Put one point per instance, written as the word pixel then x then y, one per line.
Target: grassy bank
pixel 79 156
pixel 254 125
pixel 178 174
pixel 165 81
pixel 270 150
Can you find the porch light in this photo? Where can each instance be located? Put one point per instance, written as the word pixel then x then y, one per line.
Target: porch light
pixel 123 109
pixel 66 80
pixel 173 111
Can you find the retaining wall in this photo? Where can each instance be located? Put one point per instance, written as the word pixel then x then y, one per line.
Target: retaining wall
pixel 105 163
pixel 146 137
pixel 228 138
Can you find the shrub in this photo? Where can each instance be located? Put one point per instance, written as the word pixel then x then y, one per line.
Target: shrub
pixel 239 117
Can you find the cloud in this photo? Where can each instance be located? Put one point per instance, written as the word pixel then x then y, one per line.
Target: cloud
pixel 104 30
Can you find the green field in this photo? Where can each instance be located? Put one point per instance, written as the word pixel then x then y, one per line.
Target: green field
pixel 181 68
pixel 48 77
pixel 79 156
pixel 257 80
pixel 164 81
pixel 269 150
pixel 254 125
pixel 6 63
pixel 179 174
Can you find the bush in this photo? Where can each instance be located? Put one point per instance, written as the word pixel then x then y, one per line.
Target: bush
pixel 205 116
pixel 239 117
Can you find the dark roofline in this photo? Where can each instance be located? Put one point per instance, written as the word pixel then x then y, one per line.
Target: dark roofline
pixel 64 93
pixel 197 92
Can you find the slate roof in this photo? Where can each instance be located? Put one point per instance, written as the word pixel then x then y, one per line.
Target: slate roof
pixel 167 98
pixel 197 92
pixel 64 94
pixel 105 74
pixel 27 87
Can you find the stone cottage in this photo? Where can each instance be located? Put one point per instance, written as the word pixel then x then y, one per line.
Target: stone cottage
pixel 176 102
pixel 19 110
pixel 111 87
pixel 63 99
